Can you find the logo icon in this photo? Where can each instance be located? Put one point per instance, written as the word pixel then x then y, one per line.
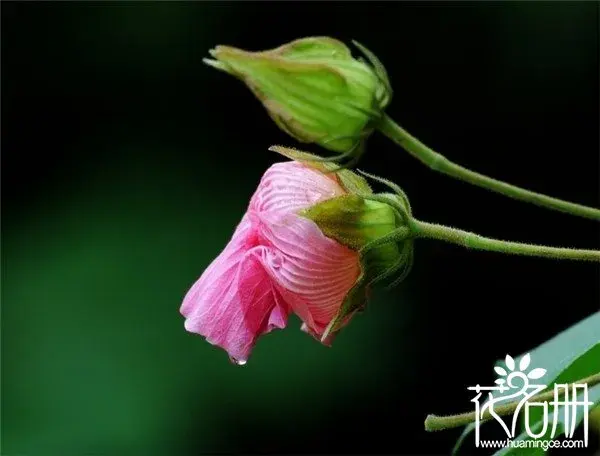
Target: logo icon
pixel 520 385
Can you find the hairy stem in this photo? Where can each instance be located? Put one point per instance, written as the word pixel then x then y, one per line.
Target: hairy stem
pixel 440 163
pixel 477 242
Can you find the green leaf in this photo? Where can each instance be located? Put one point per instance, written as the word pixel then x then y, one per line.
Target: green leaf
pixel 595 420
pixel 574 347
pixel 584 366
pixel 560 352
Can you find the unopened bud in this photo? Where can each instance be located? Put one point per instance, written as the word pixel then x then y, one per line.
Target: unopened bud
pixel 312 88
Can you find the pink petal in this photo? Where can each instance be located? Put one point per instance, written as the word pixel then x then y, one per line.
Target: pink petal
pixel 235 301
pixel 290 186
pixel 314 273
pixel 242 240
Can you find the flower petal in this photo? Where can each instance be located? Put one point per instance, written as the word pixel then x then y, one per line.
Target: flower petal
pixel 235 301
pixel 314 273
pixel 536 373
pixel 242 240
pixel 291 186
pixel 524 363
pixel 510 362
pixel 276 262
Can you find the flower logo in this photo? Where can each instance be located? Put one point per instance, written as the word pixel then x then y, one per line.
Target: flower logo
pixel 508 373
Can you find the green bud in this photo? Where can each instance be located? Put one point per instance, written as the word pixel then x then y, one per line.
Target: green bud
pixel 313 88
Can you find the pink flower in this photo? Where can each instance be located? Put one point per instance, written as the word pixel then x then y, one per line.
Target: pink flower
pixel 277 262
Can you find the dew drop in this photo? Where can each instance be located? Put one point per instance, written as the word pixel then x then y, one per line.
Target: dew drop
pixel 238 362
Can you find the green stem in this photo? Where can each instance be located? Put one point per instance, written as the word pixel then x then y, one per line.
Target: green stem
pixel 477 242
pixel 440 163
pixel 439 423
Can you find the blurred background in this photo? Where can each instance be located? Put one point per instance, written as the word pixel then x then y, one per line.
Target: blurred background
pixel 127 163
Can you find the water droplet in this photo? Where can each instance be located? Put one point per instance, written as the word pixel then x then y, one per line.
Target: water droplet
pixel 238 362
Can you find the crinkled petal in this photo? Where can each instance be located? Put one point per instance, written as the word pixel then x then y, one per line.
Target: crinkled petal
pixel 242 240
pixel 276 262
pixel 291 186
pixel 235 301
pixel 314 272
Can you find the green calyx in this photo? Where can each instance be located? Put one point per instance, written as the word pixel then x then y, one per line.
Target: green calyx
pixel 313 88
pixel 372 226
pixel 353 220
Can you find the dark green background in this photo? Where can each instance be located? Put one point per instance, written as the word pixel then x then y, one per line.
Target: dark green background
pixel 127 164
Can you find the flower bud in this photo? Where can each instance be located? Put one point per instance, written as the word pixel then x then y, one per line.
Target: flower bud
pixel 313 88
pixel 301 247
pixel 365 223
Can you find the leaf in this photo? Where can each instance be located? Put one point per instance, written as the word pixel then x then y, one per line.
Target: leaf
pixel 524 363
pixel 536 373
pixel 500 370
pixel 558 354
pixel 510 363
pixel 500 381
pixel 595 420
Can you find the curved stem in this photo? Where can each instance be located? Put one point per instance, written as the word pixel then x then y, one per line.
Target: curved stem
pixel 440 163
pixel 439 423
pixel 477 242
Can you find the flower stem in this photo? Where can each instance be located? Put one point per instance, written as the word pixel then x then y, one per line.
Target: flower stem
pixel 439 423
pixel 477 242
pixel 440 163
